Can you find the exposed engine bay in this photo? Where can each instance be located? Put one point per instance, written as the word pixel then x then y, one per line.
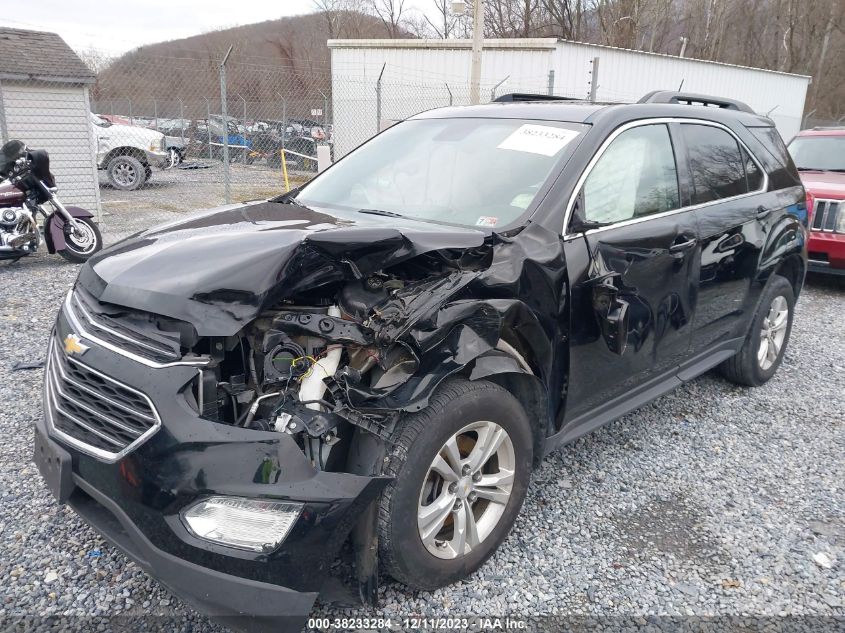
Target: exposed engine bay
pixel 317 365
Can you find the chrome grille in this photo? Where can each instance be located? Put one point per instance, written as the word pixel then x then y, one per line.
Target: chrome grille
pixel 116 333
pixel 825 215
pixel 93 412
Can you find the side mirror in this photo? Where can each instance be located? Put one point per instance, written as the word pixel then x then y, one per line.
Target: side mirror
pixel 577 222
pixel 612 313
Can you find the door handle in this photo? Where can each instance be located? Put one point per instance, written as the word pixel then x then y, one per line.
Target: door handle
pixel 682 246
pixel 762 212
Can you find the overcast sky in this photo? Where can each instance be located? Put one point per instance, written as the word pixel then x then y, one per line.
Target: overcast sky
pixel 116 26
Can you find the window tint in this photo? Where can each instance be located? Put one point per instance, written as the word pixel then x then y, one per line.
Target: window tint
pixel 772 141
pixel 635 176
pixel 778 162
pixel 753 175
pixel 716 163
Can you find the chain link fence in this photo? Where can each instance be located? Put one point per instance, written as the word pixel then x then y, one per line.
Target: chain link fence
pixel 155 137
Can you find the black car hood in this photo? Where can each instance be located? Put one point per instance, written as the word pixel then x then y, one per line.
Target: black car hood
pixel 218 269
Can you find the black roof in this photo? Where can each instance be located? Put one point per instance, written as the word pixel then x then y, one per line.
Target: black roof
pixel 41 56
pixel 588 112
pixel 572 111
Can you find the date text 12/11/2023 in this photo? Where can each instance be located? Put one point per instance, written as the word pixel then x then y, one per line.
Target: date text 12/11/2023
pixel 419 623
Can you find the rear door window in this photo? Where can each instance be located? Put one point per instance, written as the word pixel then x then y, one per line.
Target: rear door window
pixel 717 164
pixel 753 174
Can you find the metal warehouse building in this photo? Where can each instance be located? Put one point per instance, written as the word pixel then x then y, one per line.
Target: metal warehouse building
pixel 417 75
pixel 44 103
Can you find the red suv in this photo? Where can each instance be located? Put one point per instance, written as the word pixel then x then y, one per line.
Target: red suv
pixel 819 155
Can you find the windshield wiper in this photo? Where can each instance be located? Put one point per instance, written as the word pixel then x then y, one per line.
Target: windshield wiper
pixel 289 197
pixel 842 170
pixel 389 214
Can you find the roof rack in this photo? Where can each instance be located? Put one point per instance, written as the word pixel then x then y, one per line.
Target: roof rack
pixel 687 98
pixel 526 96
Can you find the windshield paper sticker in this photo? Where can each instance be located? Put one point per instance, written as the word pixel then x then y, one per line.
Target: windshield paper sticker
pixel 487 220
pixel 538 139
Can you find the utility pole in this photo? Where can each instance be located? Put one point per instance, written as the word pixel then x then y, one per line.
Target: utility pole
pixel 226 186
pixel 594 79
pixel 477 45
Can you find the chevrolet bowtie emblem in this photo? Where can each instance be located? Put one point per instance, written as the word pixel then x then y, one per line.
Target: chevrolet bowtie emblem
pixel 74 345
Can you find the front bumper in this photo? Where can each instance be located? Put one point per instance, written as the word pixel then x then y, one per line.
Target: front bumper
pixel 826 252
pixel 157 159
pixel 135 501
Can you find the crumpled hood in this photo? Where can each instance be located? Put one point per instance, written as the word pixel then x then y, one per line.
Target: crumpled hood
pixel 218 269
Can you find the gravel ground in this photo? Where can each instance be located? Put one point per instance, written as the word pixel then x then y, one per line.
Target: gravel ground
pixel 713 500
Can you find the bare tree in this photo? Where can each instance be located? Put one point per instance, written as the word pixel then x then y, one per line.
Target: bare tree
pixel 342 17
pixel 390 13
pixel 95 59
pixel 445 23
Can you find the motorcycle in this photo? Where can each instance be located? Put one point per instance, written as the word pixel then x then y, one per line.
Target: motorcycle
pixel 26 184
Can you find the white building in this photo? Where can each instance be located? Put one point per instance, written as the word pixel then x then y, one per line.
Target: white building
pixel 44 103
pixel 418 75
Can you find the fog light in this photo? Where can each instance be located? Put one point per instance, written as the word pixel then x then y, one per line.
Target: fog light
pixel 251 524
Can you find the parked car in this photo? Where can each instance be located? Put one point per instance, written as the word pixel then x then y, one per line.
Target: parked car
pixel 128 153
pixel 385 353
pixel 819 155
pixel 309 128
pixel 115 119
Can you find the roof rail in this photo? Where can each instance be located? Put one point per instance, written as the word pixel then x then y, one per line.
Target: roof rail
pixel 525 96
pixel 687 98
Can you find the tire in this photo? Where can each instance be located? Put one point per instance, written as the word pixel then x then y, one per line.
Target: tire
pixel 148 173
pixel 174 156
pixel 746 367
pixel 126 173
pixel 76 252
pixel 419 439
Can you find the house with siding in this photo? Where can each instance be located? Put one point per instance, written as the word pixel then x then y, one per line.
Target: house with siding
pixel 44 102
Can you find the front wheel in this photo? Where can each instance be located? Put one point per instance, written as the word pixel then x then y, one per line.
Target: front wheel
pixel 81 242
pixel 461 469
pixel 126 172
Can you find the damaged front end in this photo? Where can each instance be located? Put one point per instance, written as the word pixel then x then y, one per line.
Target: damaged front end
pixel 316 336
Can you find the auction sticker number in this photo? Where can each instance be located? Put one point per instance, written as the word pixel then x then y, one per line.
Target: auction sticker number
pixel 538 139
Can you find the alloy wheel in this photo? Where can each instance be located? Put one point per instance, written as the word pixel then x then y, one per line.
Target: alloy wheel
pixel 773 333
pixel 81 239
pixel 466 490
pixel 125 174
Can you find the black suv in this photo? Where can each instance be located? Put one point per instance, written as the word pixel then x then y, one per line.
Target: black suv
pixel 383 355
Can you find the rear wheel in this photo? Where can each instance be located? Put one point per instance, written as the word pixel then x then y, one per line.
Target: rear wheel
pixel 461 469
pixel 81 242
pixel 764 347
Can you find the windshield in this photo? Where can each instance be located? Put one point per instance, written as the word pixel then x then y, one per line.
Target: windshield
pixel 818 153
pixel 475 172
